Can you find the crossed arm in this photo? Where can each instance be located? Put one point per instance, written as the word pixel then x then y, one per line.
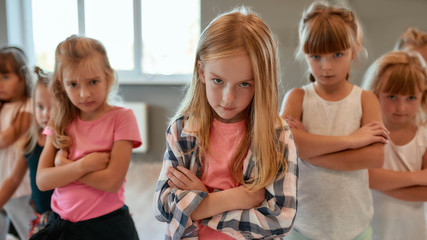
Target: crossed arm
pixel 16 130
pixel 100 170
pixel 404 185
pixel 360 150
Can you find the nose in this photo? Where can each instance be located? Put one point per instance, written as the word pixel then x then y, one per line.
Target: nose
pixel 84 92
pixel 326 64
pixel 46 113
pixel 400 106
pixel 228 95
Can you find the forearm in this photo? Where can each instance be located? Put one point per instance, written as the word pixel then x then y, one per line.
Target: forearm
pixel 384 180
pixel 54 177
pixel 313 145
pixel 412 194
pixel 102 180
pixel 371 156
pixel 215 203
pixel 7 190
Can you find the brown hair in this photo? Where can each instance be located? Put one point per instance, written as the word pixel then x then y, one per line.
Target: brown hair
pixel 408 75
pixel 411 39
pixel 328 29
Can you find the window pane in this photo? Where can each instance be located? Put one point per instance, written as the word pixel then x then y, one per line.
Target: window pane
pixel 170 32
pixel 111 22
pixel 53 21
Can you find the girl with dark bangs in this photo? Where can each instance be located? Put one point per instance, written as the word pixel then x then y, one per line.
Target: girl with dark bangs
pixel 338 130
pixel 400 187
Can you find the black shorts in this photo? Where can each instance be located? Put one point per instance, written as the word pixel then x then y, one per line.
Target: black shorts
pixel 115 225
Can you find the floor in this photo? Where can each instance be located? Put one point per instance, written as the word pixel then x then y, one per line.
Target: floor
pixel 139 191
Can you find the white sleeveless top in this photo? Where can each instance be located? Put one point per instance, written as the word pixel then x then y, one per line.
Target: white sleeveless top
pixel 332 205
pixel 9 155
pixel 394 218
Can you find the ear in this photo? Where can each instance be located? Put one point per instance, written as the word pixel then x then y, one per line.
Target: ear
pixel 201 71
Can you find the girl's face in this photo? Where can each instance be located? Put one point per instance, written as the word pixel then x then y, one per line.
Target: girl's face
pixel 42 103
pixel 87 91
pixel 229 86
pixel 11 87
pixel 330 68
pixel 397 109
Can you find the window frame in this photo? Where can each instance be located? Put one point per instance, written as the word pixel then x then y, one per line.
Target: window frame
pixel 19 18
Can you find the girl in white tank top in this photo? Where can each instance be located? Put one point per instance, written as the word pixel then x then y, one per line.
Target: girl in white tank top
pixel 400 187
pixel 337 128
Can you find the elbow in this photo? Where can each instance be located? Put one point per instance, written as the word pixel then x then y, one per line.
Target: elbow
pixel 113 186
pixel 41 184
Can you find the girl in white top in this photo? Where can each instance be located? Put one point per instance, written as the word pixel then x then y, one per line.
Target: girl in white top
pixel 15 120
pixel 399 80
pixel 341 134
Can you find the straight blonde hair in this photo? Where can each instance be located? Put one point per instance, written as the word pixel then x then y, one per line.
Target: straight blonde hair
pixel 77 54
pixel 233 33
pixel 408 75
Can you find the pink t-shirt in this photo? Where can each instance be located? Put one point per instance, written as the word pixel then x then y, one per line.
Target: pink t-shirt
pixel 77 201
pixel 224 140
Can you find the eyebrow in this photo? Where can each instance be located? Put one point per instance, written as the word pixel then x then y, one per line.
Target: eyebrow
pixel 217 76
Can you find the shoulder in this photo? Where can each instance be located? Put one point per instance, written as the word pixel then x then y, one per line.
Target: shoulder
pixel 368 96
pixel 296 93
pixel 177 126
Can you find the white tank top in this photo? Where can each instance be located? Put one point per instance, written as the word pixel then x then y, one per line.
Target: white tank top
pixel 394 218
pixel 332 205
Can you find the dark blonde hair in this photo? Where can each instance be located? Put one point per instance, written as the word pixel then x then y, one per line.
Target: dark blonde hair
pixel 408 75
pixel 328 29
pixel 76 54
pixel 234 33
pixel 411 39
pixel 43 80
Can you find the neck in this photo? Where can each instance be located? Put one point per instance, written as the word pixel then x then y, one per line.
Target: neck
pixel 333 92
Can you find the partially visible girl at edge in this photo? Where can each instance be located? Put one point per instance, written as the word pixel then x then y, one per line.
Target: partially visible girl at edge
pixel 230 167
pixel 15 120
pixel 399 79
pixel 413 40
pixel 32 148
pixel 88 148
pixel 337 128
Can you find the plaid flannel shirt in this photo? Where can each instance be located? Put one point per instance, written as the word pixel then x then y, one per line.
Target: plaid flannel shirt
pixel 272 220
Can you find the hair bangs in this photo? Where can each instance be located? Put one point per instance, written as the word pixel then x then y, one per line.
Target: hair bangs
pixel 404 80
pixel 328 36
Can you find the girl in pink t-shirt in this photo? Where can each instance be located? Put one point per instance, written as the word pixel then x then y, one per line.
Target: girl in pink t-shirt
pixel 88 148
pixel 230 168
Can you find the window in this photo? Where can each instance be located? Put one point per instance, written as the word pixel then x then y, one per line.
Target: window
pixel 148 41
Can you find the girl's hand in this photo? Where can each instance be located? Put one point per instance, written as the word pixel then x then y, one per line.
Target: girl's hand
pixel 373 132
pixel 294 123
pixel 184 179
pixel 95 161
pixel 61 157
pixel 247 199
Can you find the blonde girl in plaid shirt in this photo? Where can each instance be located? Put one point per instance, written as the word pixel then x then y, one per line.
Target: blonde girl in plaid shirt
pixel 264 164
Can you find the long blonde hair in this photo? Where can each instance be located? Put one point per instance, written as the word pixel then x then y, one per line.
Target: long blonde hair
pixel 411 39
pixel 408 75
pixel 327 29
pixel 43 80
pixel 77 54
pixel 233 33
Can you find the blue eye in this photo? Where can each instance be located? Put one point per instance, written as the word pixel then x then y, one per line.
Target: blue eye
pixel 217 81
pixel 93 82
pixel 245 84
pixel 391 97
pixel 338 54
pixel 315 57
pixel 412 98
